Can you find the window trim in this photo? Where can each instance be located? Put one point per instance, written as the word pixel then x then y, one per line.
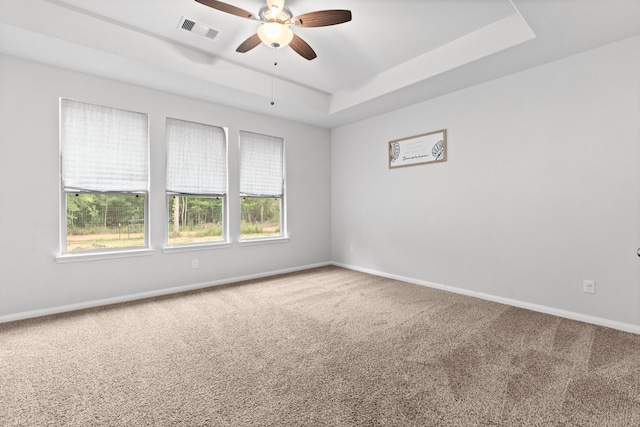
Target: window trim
pixel 226 236
pixel 63 256
pixel 284 229
pixel 263 240
pixel 193 247
pixel 95 256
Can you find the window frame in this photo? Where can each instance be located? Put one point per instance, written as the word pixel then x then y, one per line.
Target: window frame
pixel 284 232
pixel 63 255
pixel 225 242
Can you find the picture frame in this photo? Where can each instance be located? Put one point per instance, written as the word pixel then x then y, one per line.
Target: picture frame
pixel 430 147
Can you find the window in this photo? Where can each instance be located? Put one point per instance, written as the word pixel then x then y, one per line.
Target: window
pixel 262 185
pixel 196 182
pixel 105 180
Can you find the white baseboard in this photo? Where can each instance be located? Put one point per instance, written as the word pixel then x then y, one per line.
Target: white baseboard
pixel 626 327
pixel 149 294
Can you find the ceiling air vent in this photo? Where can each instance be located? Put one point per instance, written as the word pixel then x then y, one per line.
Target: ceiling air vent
pixel 197 28
pixel 187 25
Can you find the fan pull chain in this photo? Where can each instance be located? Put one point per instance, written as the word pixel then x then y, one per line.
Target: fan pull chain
pixel 275 64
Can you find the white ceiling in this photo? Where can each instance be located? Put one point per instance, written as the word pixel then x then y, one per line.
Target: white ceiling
pixel 392 54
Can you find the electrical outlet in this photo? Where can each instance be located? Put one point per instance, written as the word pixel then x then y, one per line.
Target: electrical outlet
pixel 194 263
pixel 589 287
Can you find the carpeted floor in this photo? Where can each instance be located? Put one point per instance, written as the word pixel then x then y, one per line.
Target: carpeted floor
pixel 324 347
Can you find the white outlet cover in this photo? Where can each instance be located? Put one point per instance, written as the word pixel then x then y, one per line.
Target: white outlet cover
pixel 589 287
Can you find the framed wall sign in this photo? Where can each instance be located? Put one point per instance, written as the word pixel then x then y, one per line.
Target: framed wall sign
pixel 419 149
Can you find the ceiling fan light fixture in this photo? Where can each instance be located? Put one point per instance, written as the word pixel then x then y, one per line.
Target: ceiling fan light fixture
pixel 275 35
pixel 275 22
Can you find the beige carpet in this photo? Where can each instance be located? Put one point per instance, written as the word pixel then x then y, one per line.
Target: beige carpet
pixel 324 347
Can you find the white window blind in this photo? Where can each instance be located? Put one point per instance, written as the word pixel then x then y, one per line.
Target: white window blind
pixel 261 165
pixel 196 158
pixel 103 149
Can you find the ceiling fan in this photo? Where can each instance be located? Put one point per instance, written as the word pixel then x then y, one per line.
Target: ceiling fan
pixel 276 21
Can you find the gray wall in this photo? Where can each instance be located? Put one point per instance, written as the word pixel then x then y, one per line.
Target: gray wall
pixel 31 280
pixel 541 189
pixel 539 193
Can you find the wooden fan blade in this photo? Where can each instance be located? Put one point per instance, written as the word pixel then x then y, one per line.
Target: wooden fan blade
pixel 224 7
pixel 249 43
pixel 322 18
pixel 302 48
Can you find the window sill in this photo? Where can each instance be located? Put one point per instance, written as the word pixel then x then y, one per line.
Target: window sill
pixel 195 247
pixel 263 241
pixel 94 256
